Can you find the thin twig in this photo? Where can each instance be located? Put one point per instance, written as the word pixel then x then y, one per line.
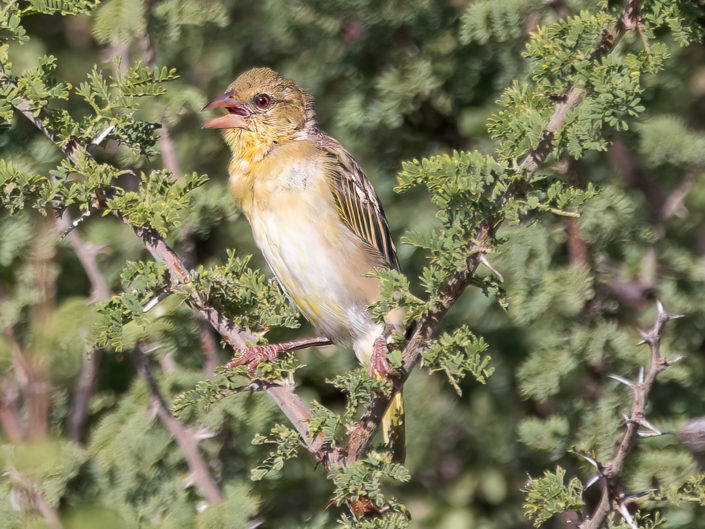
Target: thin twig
pixel 10 412
pixel 86 383
pixel 36 498
pixel 200 474
pixel 640 388
pixel 9 400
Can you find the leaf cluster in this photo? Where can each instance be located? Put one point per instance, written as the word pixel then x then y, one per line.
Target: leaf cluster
pixel 549 495
pixel 245 294
pixel 363 480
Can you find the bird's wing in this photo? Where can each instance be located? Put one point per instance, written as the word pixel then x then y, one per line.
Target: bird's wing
pixel 356 201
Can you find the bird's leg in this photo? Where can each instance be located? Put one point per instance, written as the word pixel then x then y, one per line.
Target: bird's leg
pixel 252 356
pixel 379 366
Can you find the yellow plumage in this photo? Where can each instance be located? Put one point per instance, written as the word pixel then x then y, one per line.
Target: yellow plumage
pixel 313 214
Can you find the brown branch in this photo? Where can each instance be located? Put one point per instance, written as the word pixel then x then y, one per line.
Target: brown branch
pixel 86 383
pixel 29 368
pixel 664 204
pixel 200 474
pixel 10 412
pixel 87 379
pixel 362 433
pixel 33 385
pixel 83 392
pixel 86 255
pixel 9 399
pixel 36 498
pixel 610 472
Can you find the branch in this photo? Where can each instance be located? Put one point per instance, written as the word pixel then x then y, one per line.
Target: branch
pixel 610 472
pixel 37 499
pixel 362 433
pixel 33 386
pixel 9 411
pixel 184 438
pixel 86 383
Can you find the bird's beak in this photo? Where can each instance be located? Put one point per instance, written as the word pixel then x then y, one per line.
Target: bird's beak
pixel 237 115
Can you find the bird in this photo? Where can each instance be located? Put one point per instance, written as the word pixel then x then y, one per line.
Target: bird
pixel 316 219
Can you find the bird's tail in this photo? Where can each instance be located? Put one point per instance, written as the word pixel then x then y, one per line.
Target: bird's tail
pixel 393 428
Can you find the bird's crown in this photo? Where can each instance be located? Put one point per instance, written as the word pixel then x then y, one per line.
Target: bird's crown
pixel 265 80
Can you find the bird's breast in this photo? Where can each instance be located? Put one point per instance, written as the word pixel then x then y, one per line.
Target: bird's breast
pixel 319 262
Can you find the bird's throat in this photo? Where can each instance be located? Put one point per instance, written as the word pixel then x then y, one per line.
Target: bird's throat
pixel 248 150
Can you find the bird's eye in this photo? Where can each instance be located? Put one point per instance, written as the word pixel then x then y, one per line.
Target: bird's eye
pixel 262 100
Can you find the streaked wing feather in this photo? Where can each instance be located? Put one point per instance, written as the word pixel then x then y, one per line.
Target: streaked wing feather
pixel 357 203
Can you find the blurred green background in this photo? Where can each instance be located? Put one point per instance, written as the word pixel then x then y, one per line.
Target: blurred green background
pixel 392 80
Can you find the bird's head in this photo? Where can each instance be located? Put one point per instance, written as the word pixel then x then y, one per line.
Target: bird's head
pixel 264 106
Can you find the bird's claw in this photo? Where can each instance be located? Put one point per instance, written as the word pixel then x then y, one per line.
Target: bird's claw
pixel 252 356
pixel 379 366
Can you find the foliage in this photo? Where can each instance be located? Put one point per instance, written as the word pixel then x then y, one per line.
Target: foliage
pixel 462 91
pixel 549 495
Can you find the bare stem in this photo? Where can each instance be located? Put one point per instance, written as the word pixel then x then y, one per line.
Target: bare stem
pixel 36 498
pixel 184 437
pixel 86 383
pixel 10 411
pixel 641 388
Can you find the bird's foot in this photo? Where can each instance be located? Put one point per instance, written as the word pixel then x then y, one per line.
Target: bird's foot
pixel 379 366
pixel 252 356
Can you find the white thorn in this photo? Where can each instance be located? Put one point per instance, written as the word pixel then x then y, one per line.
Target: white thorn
pixel 622 380
pixel 648 434
pixel 189 481
pixel 626 419
pixel 652 430
pixel 644 337
pixel 154 300
pixel 594 479
pixel 590 460
pixel 627 517
pixel 646 424
pixel 154 346
pixel 637 495
pixel 94 144
pixel 150 304
pixel 659 307
pixel 676 359
pixel 203 433
pixel 484 261
pixel 641 375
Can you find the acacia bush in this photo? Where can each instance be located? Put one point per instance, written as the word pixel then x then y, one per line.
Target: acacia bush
pixel 541 165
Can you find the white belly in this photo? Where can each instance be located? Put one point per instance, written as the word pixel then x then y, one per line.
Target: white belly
pixel 311 259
